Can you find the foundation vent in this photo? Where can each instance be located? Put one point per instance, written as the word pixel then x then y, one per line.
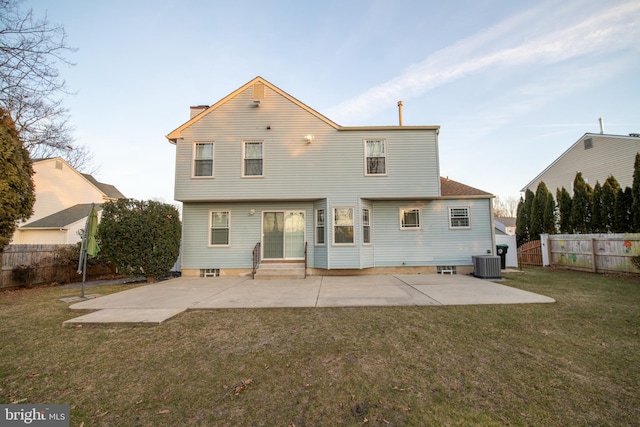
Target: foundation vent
pixel 447 269
pixel 210 272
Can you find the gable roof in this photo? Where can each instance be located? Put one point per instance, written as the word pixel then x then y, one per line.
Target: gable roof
pixel 175 134
pixel 64 217
pixel 172 136
pixel 109 190
pixel 507 221
pixel 582 138
pixel 451 188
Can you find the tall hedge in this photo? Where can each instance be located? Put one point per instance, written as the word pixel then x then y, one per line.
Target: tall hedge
pixel 523 219
pixel 581 205
pixel 564 210
pixel 597 219
pixel 635 191
pixel 609 191
pixel 140 237
pixel 17 194
pixel 623 216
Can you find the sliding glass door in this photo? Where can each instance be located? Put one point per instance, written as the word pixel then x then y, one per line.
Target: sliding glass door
pixel 283 235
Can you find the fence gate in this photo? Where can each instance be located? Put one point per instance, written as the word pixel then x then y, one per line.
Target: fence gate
pixel 530 253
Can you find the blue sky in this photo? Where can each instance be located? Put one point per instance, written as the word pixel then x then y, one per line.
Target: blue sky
pixel 511 83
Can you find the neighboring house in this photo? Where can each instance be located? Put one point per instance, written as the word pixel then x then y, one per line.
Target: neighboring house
pixel 64 198
pixel 505 224
pixel 597 156
pixel 261 170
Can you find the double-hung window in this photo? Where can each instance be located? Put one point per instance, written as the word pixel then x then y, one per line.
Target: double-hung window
pixel 320 227
pixel 459 218
pixel 366 226
pixel 203 159
pixel 343 226
pixel 252 163
pixel 375 156
pixel 410 219
pixel 219 226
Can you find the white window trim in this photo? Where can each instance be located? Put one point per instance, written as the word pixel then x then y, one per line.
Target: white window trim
pixel 315 227
pixel 209 244
pixel 333 225
pixel 386 157
pixel 370 225
pixel 244 145
pixel 419 227
pixel 193 159
pixel 451 226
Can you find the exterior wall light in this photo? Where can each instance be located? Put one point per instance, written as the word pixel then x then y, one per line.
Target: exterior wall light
pixel 308 138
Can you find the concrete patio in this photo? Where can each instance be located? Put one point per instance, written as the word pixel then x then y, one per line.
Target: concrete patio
pixel 160 301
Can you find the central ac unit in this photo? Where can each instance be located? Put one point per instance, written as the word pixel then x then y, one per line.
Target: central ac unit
pixel 486 267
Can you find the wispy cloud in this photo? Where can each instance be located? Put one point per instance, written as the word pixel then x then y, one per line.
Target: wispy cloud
pixel 531 37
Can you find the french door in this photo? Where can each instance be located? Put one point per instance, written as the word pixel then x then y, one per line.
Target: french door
pixel 283 235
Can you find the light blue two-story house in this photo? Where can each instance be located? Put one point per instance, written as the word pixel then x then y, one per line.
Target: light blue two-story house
pixel 267 182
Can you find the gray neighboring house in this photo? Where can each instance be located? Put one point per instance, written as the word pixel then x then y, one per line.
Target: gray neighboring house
pixel 597 156
pixel 259 171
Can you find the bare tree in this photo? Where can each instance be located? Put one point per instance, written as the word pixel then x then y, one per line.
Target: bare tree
pixel 31 49
pixel 507 207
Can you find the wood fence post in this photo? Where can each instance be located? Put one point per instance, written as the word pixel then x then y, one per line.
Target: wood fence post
pixel 594 266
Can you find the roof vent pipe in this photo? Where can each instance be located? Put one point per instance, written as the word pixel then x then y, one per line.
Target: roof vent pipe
pixel 400 112
pixel 601 120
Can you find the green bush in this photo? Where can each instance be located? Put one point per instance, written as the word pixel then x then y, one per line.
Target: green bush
pixel 140 237
pixel 635 260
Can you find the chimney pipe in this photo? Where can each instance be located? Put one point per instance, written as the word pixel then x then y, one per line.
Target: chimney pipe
pixel 601 120
pixel 400 112
pixel 196 109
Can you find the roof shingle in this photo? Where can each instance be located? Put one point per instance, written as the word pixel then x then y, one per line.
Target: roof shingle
pixel 449 187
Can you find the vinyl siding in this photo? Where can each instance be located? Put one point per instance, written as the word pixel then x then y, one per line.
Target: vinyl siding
pixel 333 164
pixel 327 173
pixel 435 243
pixel 609 155
pixel 245 232
pixel 58 189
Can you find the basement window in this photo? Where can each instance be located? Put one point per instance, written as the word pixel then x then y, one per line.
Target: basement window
pixel 447 269
pixel 210 272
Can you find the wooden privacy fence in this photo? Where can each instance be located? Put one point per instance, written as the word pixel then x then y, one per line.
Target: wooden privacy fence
pixel 598 253
pixel 44 265
pixel 530 253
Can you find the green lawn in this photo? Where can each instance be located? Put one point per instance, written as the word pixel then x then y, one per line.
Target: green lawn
pixel 575 362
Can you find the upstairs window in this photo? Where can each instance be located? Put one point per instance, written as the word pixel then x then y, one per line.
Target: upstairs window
pixel 459 218
pixel 203 159
pixel 409 219
pixel 252 154
pixel 375 156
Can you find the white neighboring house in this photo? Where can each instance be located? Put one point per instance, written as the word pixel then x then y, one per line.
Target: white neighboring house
pixel 597 156
pixel 63 201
